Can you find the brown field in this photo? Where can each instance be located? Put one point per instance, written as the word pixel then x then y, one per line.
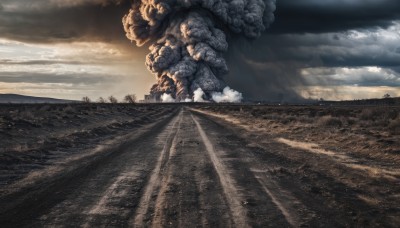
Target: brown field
pixel 199 165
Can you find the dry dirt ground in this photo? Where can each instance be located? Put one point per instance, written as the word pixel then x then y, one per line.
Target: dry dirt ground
pixel 199 166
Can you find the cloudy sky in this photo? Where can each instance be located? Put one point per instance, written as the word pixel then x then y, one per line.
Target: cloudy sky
pixel 334 49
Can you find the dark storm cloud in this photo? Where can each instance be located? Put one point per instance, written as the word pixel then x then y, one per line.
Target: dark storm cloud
pixel 306 34
pixel 317 16
pixel 315 33
pixel 62 21
pixel 397 69
pixel 68 78
pixel 334 50
pixel 277 60
pixel 367 77
pixel 273 81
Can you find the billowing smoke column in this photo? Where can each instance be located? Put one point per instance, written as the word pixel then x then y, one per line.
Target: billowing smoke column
pixel 188 39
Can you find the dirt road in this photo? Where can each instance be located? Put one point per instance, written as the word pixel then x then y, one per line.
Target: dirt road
pixel 191 170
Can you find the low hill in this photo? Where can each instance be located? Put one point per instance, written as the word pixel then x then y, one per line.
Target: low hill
pixel 16 98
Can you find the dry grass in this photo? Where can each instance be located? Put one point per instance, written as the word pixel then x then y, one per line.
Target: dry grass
pixel 374 116
pixel 371 131
pixel 369 114
pixel 69 109
pixel 394 126
pixel 329 121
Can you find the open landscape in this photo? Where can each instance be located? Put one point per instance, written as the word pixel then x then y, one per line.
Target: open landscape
pixel 185 165
pixel 199 113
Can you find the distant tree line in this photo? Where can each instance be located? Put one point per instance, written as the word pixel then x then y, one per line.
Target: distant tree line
pixel 387 99
pixel 130 99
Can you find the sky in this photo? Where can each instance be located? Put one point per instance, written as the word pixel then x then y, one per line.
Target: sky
pixel 331 49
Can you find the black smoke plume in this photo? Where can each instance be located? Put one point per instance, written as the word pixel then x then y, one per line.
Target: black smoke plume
pixel 189 37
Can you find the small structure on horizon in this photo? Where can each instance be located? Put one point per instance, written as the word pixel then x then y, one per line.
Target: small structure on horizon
pixel 148 98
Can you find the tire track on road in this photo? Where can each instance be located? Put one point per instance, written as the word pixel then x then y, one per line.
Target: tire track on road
pixel 231 193
pixel 190 193
pixel 158 212
pixel 156 175
pixel 285 204
pixel 282 205
pixel 116 192
pixel 108 185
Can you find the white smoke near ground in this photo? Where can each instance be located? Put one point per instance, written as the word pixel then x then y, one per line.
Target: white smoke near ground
pixel 228 95
pixel 198 95
pixel 188 39
pixel 167 98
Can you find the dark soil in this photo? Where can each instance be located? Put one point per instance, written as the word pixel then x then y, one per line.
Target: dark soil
pixel 190 166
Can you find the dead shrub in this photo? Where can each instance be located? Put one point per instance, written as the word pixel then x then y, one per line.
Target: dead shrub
pixel 69 109
pixel 329 121
pixel 394 126
pixel 26 115
pixel 351 121
pixel 130 98
pixel 86 100
pixel 112 99
pixel 380 123
pixel 291 118
pixel 304 119
pixel 45 108
pixel 370 114
pixel 378 117
pixel 392 114
pixel 272 116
